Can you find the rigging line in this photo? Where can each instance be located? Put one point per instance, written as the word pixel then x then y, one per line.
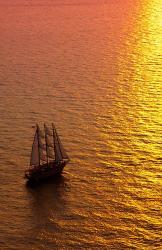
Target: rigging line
pixel 46 142
pixel 54 144
pixel 37 131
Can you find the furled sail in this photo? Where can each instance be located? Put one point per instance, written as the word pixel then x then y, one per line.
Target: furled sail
pixel 34 159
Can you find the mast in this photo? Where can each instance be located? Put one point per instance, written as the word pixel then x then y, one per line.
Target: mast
pixel 35 156
pixel 54 144
pixel 46 142
pixel 41 146
pixel 39 153
pixel 49 143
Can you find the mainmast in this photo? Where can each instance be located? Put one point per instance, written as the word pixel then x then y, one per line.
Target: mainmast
pixel 49 144
pixel 38 136
pixel 42 146
pixel 46 142
pixel 54 143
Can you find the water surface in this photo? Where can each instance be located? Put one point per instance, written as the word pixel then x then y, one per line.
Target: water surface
pixel 94 69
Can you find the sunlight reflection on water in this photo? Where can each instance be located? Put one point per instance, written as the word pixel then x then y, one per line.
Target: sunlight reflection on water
pixel 96 72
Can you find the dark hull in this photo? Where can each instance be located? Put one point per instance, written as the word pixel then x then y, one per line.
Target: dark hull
pixel 44 171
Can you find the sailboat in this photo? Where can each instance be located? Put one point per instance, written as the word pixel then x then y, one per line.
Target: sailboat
pixel 48 156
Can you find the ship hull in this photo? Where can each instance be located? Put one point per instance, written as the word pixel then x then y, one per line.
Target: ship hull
pixel 45 171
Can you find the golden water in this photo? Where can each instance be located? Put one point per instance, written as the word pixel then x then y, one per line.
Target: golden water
pixel 94 69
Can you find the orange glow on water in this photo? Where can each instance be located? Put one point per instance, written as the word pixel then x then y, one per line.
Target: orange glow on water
pixel 95 71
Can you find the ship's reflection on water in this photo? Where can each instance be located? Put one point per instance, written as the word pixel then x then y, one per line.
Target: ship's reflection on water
pixel 48 202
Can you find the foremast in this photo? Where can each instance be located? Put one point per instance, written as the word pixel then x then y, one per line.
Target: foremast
pixel 38 154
